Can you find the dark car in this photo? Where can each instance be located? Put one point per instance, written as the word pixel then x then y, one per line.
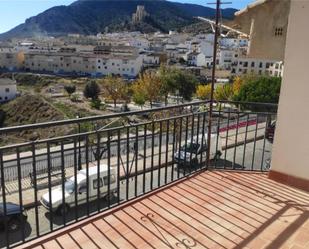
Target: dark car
pixel 14 217
pixel 270 131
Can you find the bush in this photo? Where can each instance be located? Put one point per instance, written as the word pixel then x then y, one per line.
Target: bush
pixel 92 90
pixel 70 89
pixel 75 98
pixel 96 104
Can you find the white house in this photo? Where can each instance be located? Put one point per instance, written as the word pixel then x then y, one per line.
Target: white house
pixel 225 58
pixel 8 89
pixel 206 48
pixel 196 59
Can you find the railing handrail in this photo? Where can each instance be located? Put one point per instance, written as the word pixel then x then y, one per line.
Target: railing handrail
pixel 117 115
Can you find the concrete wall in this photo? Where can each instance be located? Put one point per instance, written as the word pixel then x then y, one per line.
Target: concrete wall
pixel 291 146
pixel 266 18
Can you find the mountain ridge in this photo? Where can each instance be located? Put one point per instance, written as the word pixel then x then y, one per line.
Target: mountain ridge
pixel 89 17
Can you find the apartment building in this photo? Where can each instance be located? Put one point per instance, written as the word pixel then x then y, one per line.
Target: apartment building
pixel 83 63
pixel 266 21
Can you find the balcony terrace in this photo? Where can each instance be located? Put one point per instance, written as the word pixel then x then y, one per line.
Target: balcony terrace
pixel 212 209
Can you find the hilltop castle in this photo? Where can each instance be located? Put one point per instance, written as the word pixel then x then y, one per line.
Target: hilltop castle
pixel 140 14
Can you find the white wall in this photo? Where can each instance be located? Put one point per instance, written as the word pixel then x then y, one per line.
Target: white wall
pixel 7 90
pixel 291 145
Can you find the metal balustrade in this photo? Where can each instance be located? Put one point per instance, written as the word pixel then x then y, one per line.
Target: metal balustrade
pixel 76 175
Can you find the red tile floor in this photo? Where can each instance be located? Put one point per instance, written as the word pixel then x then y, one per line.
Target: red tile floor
pixel 217 209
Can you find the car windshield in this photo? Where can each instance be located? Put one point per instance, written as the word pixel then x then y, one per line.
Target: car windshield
pixel 190 147
pixel 69 186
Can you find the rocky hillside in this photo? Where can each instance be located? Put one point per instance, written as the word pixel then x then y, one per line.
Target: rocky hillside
pixel 94 16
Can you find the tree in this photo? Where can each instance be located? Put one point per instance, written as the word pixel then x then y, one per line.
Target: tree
pixel 114 88
pixel 185 84
pixel 237 84
pixel 70 89
pixel 92 90
pixel 224 92
pixel 168 84
pixel 203 91
pixel 148 85
pixel 260 89
pixel 139 99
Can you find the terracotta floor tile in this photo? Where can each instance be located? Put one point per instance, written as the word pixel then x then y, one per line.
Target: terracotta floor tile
pixel 216 209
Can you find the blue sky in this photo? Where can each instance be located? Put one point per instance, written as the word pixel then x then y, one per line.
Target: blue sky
pixel 14 12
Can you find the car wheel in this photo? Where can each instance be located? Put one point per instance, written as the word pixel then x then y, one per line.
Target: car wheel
pixel 63 209
pixel 14 224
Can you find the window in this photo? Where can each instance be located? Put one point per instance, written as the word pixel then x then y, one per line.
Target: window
pixel 95 183
pixel 99 67
pixel 112 179
pixel 245 71
pixel 267 65
pixel 260 72
pixel 7 90
pixel 278 31
pixel 261 64
pixel 99 61
pixel 245 64
pixel 252 64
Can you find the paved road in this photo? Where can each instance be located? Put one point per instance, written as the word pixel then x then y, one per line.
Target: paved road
pixel 26 162
pixel 251 161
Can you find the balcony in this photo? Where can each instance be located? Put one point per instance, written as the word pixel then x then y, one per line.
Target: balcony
pixel 213 209
pixel 157 187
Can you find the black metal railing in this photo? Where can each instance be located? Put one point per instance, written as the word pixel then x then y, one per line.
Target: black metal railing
pixel 91 171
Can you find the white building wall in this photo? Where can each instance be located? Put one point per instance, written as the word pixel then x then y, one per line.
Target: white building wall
pixel 290 150
pixel 8 89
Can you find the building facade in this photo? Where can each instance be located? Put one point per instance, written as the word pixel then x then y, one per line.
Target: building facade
pixel 8 89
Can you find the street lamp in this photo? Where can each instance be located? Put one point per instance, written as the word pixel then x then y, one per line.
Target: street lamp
pixel 79 153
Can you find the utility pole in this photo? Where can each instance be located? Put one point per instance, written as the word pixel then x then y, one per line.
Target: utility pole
pixel 218 5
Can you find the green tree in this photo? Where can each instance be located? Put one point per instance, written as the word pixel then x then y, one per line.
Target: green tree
pixel 260 89
pixel 185 83
pixel 92 90
pixel 168 83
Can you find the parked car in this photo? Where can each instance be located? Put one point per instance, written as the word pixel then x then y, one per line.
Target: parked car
pixel 270 131
pixel 60 206
pixel 14 217
pixel 195 151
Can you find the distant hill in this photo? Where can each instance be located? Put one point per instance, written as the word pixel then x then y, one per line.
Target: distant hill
pixel 93 16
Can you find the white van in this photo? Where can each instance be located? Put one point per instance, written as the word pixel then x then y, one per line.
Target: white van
pixel 62 207
pixel 195 152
